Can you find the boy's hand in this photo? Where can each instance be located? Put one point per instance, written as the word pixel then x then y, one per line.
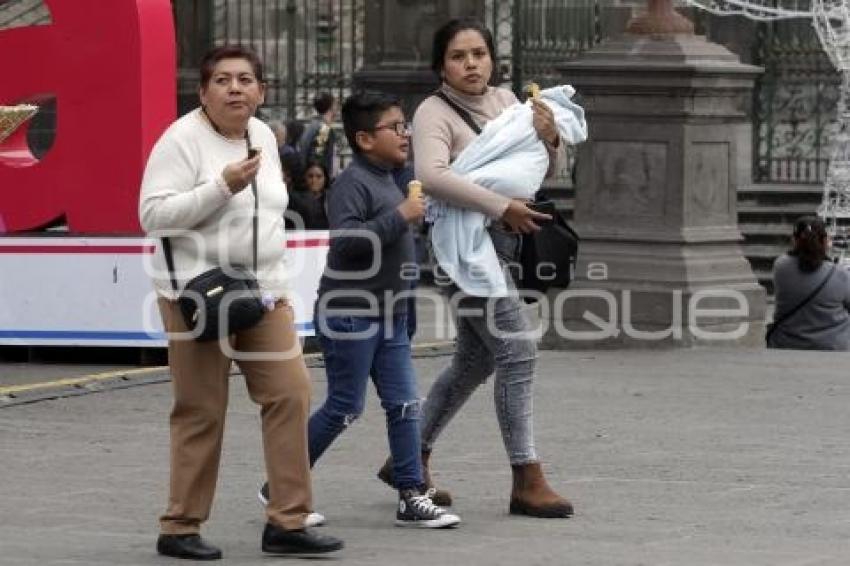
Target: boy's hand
pixel 413 208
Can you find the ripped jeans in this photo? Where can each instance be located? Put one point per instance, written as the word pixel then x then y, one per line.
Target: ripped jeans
pixel 492 335
pixel 354 348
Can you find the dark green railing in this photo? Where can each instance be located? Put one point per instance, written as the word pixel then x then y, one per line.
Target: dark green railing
pixel 314 45
pixel 795 105
pixel 307 46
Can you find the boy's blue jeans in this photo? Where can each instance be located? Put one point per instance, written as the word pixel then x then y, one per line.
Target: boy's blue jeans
pixel 354 348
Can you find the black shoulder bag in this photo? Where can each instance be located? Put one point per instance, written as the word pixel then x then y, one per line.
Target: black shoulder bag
pixel 771 327
pixel 219 302
pixel 548 256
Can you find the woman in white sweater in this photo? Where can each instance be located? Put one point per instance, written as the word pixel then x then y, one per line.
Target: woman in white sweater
pixel 194 192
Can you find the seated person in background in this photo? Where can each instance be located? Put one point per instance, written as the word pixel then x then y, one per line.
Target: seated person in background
pixel 823 321
pixel 308 199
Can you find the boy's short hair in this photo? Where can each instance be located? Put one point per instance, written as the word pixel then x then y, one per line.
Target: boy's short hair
pixel 361 112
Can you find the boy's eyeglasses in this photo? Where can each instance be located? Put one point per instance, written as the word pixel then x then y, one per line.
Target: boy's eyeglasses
pixel 400 128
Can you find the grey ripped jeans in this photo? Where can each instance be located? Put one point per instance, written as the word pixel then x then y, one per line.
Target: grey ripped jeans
pixel 478 352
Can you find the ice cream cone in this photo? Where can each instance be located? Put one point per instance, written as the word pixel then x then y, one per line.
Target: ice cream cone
pixel 11 117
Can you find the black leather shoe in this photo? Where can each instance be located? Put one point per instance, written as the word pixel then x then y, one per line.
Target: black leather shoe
pixel 192 547
pixel 301 541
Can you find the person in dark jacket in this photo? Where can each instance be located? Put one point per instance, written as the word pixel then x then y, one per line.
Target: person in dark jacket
pixel 308 200
pixel 318 142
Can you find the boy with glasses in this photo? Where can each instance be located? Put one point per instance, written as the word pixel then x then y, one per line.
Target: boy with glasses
pixel 361 311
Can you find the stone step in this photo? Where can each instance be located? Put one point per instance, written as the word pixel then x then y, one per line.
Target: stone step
pixel 770 188
pixel 763 251
pixel 779 230
pixel 776 209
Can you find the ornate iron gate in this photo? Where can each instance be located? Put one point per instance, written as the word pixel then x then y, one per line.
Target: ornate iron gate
pixel 533 36
pixel 794 101
pixel 795 105
pixel 307 46
pixel 312 45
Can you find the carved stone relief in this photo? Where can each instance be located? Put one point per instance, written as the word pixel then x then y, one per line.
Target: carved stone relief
pixel 630 179
pixel 709 183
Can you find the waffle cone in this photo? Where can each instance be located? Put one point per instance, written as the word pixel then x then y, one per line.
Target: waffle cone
pixel 11 117
pixel 414 189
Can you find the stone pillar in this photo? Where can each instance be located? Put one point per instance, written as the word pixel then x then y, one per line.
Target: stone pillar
pixel 398 45
pixel 670 141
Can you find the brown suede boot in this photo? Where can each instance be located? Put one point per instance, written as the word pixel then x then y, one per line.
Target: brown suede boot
pixel 532 496
pixel 440 497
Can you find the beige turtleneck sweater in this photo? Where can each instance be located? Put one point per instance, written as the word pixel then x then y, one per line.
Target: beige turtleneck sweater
pixel 439 135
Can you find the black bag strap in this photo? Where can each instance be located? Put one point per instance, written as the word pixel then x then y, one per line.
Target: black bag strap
pixel 801 304
pixel 460 111
pixel 169 260
pixel 255 224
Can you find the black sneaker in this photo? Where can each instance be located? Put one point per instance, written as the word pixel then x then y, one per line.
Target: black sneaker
pixel 417 510
pixel 312 520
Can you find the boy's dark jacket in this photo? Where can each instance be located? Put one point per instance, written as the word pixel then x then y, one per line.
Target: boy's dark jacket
pixel 365 198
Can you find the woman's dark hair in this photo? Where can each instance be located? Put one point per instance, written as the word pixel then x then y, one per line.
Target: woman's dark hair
pixel 294 129
pixel 361 112
pixel 810 241
pixel 213 56
pixel 446 33
pixel 320 165
pixel 323 102
pixel 291 163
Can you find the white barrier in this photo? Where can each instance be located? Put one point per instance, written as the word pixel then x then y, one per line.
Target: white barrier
pixel 93 291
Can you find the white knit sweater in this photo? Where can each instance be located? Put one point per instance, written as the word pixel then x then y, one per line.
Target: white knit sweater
pixel 184 195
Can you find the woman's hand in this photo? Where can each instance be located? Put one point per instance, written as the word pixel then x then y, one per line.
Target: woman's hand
pixel 521 218
pixel 544 122
pixel 239 175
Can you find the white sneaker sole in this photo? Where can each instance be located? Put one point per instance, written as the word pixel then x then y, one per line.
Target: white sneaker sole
pixel 447 521
pixel 312 520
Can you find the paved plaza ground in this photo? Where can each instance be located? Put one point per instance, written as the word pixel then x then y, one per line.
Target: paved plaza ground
pixel 691 457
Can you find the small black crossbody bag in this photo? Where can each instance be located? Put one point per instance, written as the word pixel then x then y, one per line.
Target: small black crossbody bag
pixel 220 302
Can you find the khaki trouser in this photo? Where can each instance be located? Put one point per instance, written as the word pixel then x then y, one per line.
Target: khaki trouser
pixel 281 386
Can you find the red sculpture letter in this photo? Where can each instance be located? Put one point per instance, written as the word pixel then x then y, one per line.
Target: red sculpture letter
pixel 111 67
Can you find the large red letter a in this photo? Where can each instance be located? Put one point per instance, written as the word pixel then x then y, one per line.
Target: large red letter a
pixel 111 67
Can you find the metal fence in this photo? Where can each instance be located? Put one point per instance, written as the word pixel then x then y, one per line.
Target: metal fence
pixel 795 105
pixel 794 101
pixel 307 46
pixel 533 36
pixel 314 45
